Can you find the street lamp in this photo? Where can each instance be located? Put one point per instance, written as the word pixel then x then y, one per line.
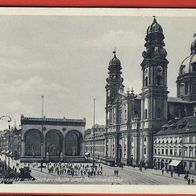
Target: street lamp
pixel 8 145
pixel 93 133
pixel 42 138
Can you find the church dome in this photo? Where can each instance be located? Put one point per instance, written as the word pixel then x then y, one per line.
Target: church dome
pixel 115 61
pixel 188 65
pixel 155 27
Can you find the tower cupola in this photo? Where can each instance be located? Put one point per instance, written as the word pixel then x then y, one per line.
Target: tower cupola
pixel 155 27
pixel 114 80
pixel 115 61
pixel 186 80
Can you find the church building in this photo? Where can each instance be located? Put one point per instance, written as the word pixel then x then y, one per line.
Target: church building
pixel 132 120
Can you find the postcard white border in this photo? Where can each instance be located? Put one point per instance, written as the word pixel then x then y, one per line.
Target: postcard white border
pixel 77 188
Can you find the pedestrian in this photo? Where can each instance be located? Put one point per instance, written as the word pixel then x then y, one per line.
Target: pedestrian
pixel 172 173
pixel 189 181
pixel 192 180
pixel 162 171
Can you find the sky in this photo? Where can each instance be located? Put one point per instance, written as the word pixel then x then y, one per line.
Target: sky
pixel 65 58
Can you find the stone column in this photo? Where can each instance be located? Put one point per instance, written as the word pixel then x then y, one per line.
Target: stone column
pixel 44 147
pixel 22 148
pixel 63 146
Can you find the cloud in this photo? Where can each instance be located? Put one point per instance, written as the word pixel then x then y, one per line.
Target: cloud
pixel 117 38
pixel 32 86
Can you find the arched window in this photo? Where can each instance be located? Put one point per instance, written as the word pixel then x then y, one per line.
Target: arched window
pixel 158 80
pixel 146 81
pixel 186 88
pixel 194 66
pixel 158 113
pixel 145 114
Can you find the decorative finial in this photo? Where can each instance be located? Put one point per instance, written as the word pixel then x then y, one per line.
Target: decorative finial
pixel 132 91
pixel 154 18
pixel 114 52
pixel 127 90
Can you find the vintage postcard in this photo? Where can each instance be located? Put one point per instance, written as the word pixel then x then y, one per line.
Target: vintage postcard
pixel 104 99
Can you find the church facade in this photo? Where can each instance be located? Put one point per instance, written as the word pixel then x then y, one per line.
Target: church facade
pixel 132 121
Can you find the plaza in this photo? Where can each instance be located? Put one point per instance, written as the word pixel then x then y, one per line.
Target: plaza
pixel 126 175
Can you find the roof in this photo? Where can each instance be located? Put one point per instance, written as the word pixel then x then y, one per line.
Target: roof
pixel 154 27
pixel 52 121
pixel 178 100
pixel 182 126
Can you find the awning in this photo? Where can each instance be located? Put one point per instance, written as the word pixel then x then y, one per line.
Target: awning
pixel 175 162
pixel 87 154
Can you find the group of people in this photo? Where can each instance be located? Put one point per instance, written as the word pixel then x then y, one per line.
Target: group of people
pixel 171 172
pixel 75 169
pixel 190 180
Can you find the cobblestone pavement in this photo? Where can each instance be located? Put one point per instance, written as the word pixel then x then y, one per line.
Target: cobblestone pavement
pixel 126 175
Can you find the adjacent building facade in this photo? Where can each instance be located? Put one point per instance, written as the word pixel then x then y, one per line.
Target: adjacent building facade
pixel 175 146
pixel 95 142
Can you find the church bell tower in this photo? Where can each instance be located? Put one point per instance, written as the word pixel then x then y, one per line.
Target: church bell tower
pixel 113 86
pixel 154 90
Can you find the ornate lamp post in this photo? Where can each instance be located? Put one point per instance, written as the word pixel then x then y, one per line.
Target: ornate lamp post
pixel 94 134
pixel 42 138
pixel 8 146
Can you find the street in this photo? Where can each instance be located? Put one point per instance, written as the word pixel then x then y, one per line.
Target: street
pixel 126 175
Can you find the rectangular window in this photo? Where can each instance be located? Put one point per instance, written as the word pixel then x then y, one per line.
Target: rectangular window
pixel 171 151
pixel 190 139
pixel 158 113
pixel 195 152
pixel 190 165
pixel 186 88
pixel 155 151
pixel 194 88
pixel 144 150
pixel 190 152
pixel 185 152
pixel 166 151
pixel 180 152
pixel 185 164
pixel 162 151
pixel 146 114
pixel 158 151
pixel 175 152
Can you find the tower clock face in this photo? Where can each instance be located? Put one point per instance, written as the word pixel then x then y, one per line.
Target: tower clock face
pixel 159 70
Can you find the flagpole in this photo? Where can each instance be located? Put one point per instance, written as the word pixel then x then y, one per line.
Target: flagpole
pixel 94 133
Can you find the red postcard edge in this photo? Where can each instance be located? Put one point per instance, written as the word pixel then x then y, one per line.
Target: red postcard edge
pixel 101 3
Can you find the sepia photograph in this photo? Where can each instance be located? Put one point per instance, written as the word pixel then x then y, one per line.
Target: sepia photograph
pixel 98 96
